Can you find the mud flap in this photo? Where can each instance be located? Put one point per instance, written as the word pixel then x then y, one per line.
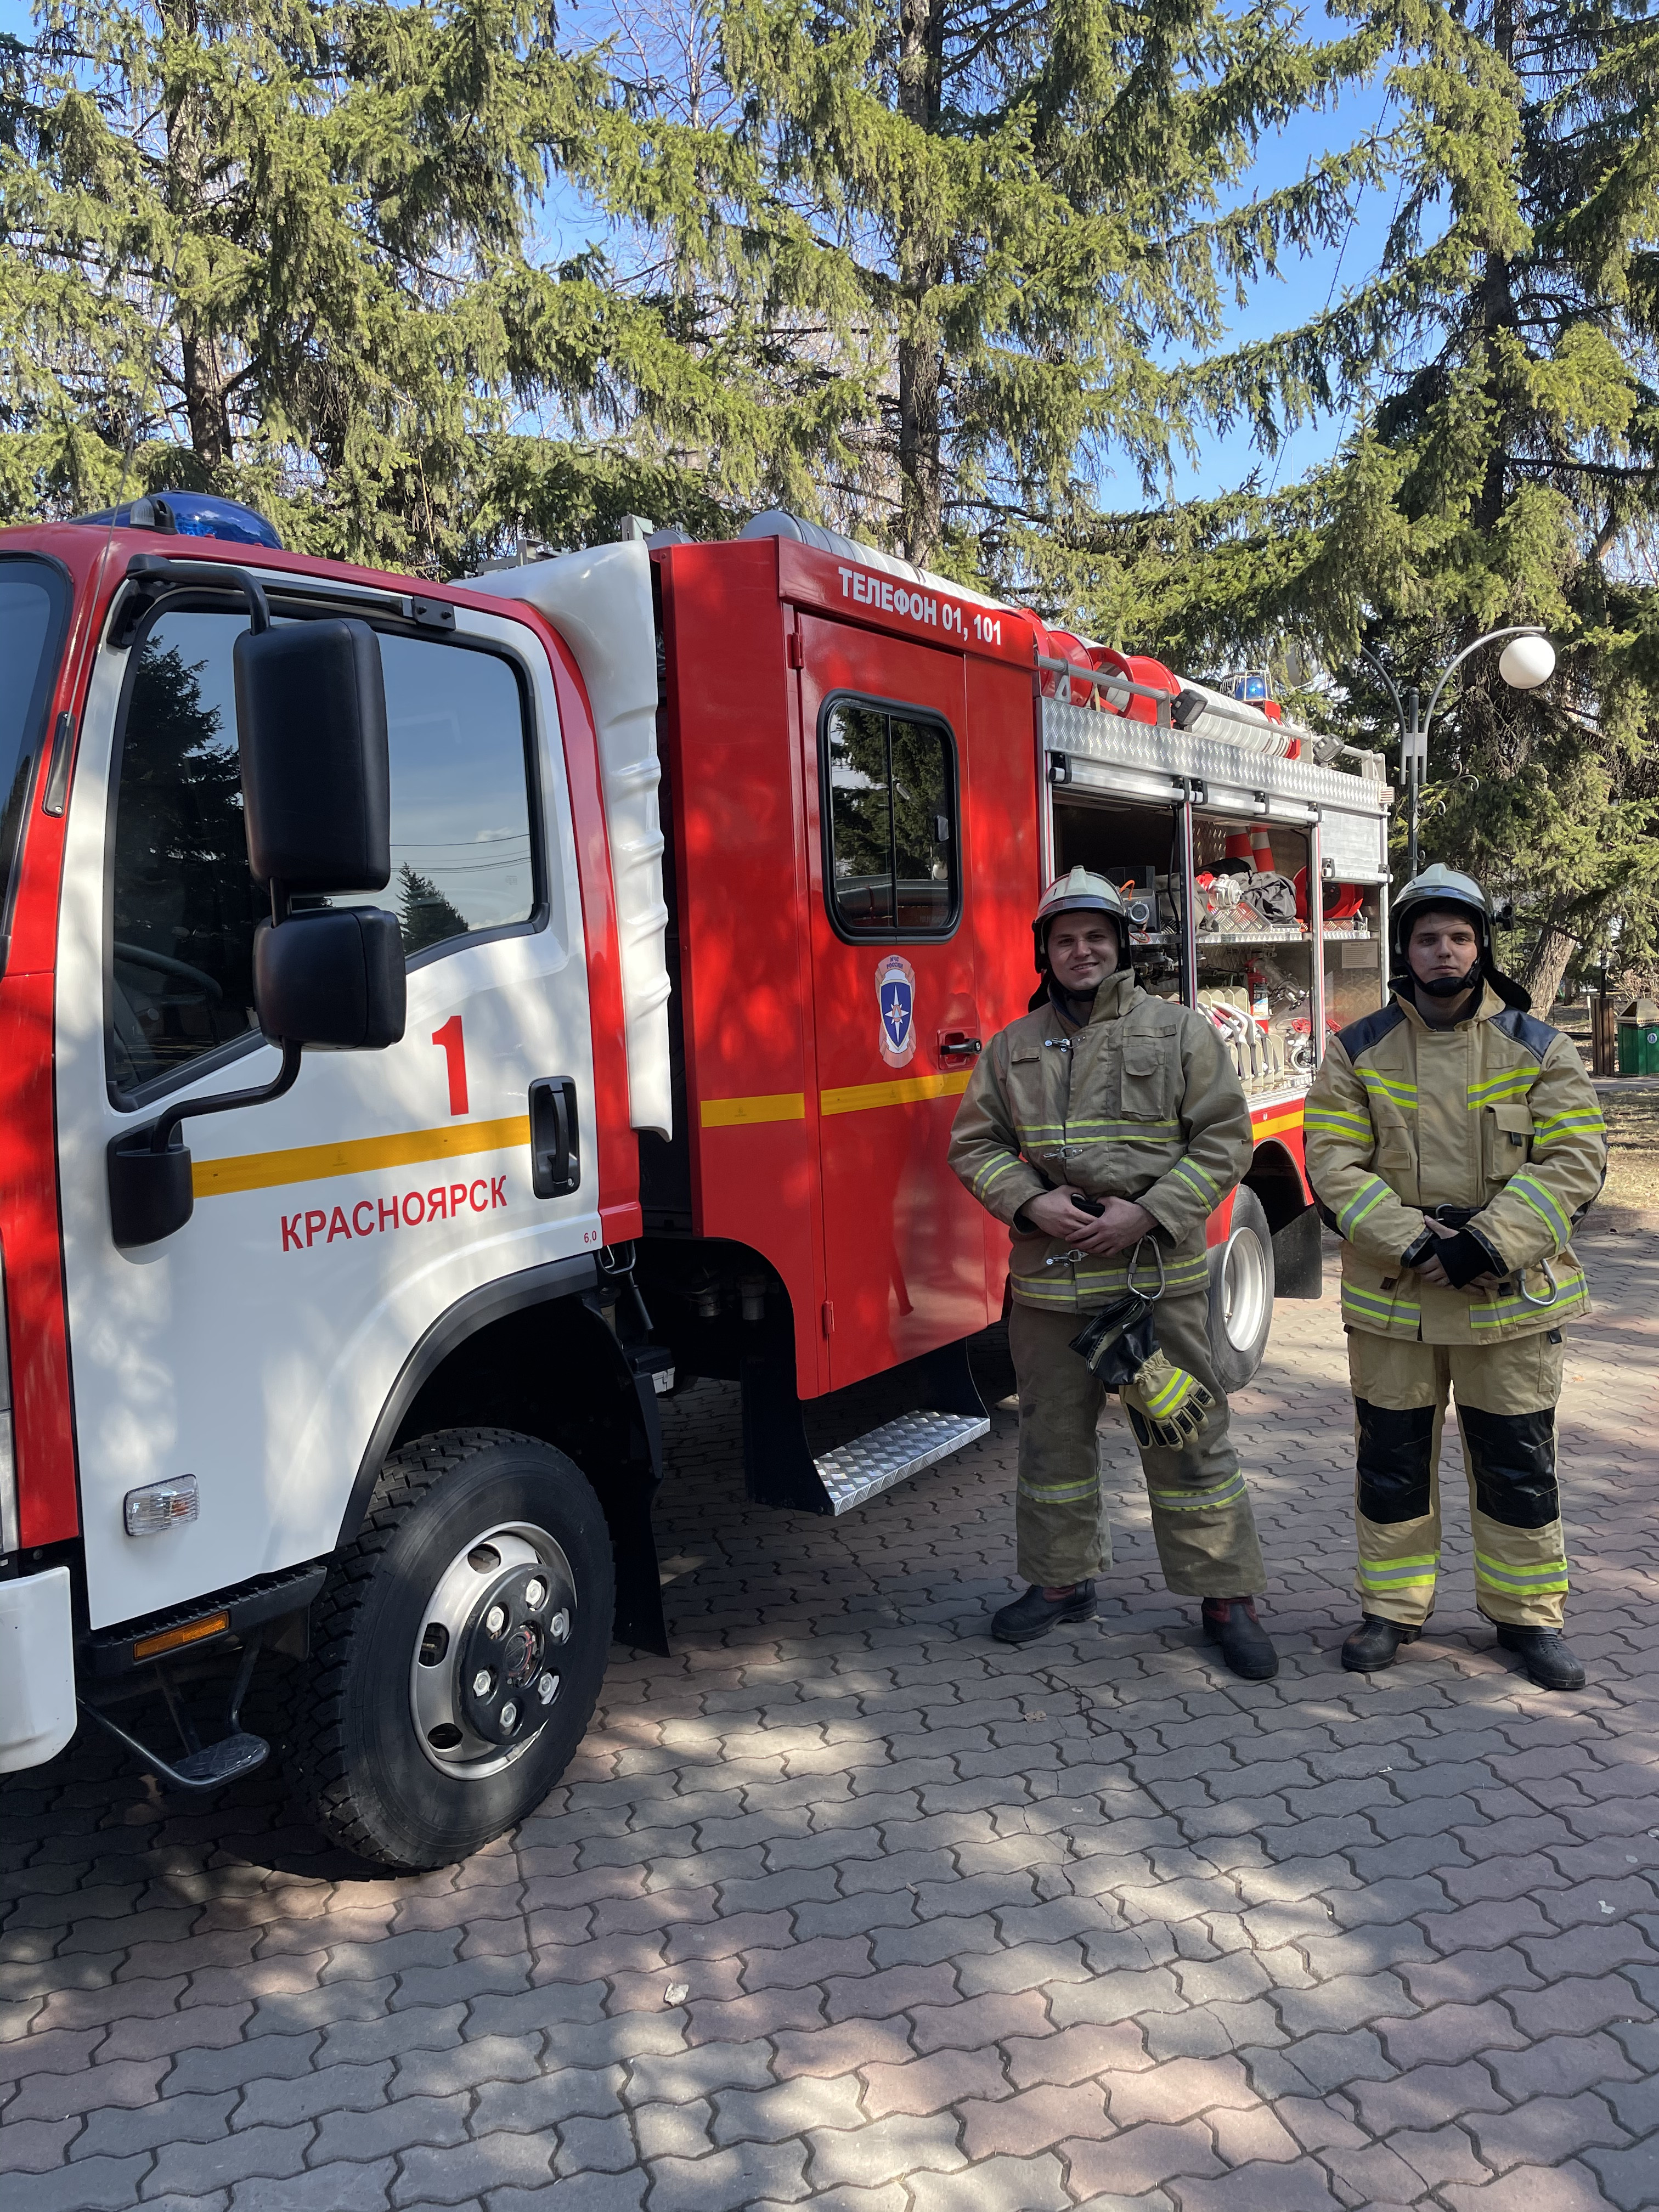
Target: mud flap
pixel 1298 1257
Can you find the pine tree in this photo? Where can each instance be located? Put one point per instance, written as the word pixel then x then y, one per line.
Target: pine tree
pixel 985 219
pixel 1499 367
pixel 424 914
pixel 285 248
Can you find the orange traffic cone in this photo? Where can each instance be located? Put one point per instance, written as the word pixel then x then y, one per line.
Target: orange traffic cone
pixel 1261 849
pixel 1239 847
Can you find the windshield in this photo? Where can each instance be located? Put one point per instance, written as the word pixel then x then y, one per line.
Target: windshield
pixel 33 605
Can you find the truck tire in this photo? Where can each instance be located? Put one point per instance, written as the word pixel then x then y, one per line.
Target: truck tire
pixel 1241 1293
pixel 458 1647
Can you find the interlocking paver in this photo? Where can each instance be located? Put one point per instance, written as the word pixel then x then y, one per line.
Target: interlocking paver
pixel 115 2132
pixel 188 2168
pixel 1547 2130
pixel 1143 2158
pixel 450 2174
pixel 896 2148
pixel 1570 2188
pixel 98 2184
pixel 789 2109
pixel 730 2180
pixel 1034 2120
pixel 343 2187
pixel 1089 1925
pixel 1000 2185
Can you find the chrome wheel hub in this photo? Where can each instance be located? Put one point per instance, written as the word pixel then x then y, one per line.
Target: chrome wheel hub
pixel 486 1667
pixel 1243 1288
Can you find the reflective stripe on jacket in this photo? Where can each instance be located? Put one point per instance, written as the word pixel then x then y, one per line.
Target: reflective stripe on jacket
pixel 1496 1113
pixel 1142 1103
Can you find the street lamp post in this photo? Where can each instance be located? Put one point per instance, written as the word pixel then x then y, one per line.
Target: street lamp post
pixel 1526 662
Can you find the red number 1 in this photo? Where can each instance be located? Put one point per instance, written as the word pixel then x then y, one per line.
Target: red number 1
pixel 452 1044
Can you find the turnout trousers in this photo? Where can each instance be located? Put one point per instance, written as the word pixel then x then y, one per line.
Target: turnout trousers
pixel 1201 1516
pixel 1505 1395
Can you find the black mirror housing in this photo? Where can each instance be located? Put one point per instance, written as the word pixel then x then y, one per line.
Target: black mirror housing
pixel 316 774
pixel 333 978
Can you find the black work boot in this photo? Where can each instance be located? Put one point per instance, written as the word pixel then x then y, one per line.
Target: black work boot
pixel 1033 1614
pixel 1245 1643
pixel 1373 1644
pixel 1545 1654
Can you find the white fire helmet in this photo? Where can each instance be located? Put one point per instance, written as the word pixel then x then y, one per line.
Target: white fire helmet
pixel 1081 891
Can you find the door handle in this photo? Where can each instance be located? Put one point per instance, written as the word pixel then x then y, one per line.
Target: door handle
pixel 554 1140
pixel 956 1044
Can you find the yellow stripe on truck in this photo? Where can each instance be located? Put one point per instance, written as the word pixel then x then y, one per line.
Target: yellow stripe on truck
pixel 744 1112
pixel 355 1156
pixel 847 1098
pixel 1277 1123
pixel 857 1098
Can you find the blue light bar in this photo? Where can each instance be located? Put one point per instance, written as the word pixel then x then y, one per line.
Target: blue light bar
pixel 190 514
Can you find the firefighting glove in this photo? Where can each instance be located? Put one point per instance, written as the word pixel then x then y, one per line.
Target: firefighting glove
pixel 1463 1256
pixel 1117 1342
pixel 1165 1403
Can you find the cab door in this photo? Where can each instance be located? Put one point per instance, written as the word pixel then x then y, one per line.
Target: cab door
pixel 895 1001
pixel 335 1227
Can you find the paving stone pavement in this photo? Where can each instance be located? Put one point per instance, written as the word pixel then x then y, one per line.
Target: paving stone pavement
pixel 846 1906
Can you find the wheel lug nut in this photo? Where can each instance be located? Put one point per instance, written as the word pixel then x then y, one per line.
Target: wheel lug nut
pixel 559 1628
pixel 545 1686
pixel 483 1682
pixel 509 1714
pixel 534 1593
pixel 495 1619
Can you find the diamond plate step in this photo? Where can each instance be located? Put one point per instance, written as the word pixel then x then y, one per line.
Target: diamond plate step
pixel 870 1464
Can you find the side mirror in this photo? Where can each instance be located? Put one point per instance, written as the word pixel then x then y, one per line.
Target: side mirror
pixel 334 978
pixel 316 778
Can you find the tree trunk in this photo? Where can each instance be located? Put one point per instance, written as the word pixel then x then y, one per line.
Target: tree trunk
pixel 922 265
pixel 1495 310
pixel 203 375
pixel 205 409
pixel 1546 964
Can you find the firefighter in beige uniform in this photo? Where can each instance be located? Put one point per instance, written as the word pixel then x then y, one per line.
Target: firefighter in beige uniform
pixel 1453 1141
pixel 1129 1101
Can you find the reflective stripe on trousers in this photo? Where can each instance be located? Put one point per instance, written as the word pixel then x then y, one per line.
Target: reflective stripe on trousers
pixel 1505 1396
pixel 1201 1516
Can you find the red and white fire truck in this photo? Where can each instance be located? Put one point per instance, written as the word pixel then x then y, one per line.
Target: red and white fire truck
pixel 439 1020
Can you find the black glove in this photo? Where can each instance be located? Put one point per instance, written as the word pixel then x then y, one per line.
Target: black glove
pixel 1463 1256
pixel 1117 1343
pixel 1467 1256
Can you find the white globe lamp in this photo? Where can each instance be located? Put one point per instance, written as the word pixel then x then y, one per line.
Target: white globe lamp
pixel 1527 662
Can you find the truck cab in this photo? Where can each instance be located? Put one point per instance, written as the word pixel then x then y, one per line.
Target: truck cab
pixel 440 1020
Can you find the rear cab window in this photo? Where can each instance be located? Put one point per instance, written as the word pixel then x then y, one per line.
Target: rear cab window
pixel 888 777
pixel 465 860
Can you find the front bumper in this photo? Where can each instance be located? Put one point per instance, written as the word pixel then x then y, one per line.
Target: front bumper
pixel 37 1668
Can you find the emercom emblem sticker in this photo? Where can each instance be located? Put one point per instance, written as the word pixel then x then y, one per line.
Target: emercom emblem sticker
pixel 896 998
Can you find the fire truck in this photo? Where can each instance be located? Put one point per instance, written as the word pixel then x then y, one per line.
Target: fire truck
pixel 440 1021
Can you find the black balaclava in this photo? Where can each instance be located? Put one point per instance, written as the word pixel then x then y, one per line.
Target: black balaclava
pixel 1484 971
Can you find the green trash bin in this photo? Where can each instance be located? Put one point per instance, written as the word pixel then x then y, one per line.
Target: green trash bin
pixel 1638 1038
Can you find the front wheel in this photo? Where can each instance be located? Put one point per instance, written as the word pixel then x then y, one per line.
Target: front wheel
pixel 460 1644
pixel 1241 1292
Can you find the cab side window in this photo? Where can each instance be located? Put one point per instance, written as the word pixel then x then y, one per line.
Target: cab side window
pixel 184 906
pixel 889 782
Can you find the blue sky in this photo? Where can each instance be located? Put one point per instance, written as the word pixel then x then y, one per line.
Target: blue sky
pixel 1225 460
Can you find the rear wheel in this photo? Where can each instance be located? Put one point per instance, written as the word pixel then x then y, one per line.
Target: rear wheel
pixel 460 1644
pixel 1241 1293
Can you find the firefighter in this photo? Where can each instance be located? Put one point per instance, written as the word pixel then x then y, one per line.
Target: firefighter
pixel 1452 1141
pixel 1128 1101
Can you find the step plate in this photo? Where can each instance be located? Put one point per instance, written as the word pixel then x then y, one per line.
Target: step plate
pixel 855 1472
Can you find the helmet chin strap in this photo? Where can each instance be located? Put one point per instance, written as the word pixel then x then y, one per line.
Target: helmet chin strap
pixel 1452 986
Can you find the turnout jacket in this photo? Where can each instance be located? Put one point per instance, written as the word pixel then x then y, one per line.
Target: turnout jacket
pixel 1141 1104
pixel 1495 1114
